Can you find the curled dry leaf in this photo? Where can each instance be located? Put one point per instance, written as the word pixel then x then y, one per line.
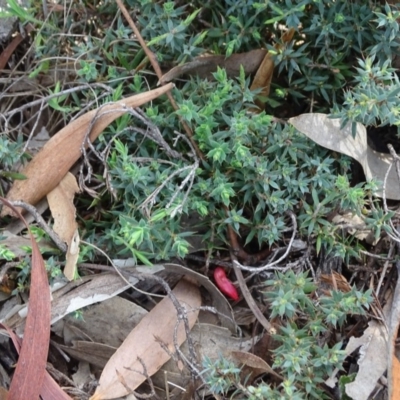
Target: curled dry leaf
pixel 373 360
pixel 256 363
pixel 61 203
pixel 144 343
pixel 51 164
pixel 326 132
pixel 206 65
pixel 263 77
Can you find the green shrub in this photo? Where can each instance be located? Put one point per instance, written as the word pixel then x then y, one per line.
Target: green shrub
pixel 300 359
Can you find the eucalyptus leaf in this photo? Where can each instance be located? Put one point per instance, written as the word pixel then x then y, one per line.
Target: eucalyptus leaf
pixel 327 132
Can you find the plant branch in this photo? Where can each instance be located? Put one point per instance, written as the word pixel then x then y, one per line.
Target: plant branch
pixel 157 69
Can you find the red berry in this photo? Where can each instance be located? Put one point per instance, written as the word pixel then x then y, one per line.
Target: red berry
pixel 224 284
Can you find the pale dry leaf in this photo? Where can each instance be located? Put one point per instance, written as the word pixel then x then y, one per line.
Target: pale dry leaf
pixel 327 133
pixel 94 353
pixel 118 314
pixel 61 204
pixel 142 343
pixel 80 293
pixel 18 244
pixel 51 164
pixel 373 359
pixel 71 258
pixel 356 226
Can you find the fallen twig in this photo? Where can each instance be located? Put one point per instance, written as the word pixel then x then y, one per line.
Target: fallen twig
pixel 157 69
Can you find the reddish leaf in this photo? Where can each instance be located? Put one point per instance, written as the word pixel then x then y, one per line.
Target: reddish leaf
pixel 31 367
pixel 9 50
pixel 50 389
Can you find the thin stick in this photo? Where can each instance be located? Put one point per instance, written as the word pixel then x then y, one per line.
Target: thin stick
pixel 249 298
pixel 41 222
pixel 243 287
pixel 385 267
pixel 271 266
pixel 157 69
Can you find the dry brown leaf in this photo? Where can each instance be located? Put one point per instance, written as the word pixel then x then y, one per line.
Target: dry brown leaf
pixel 287 36
pixel 61 203
pixel 255 362
pixel 336 281
pixel 118 314
pixel 327 133
pixel 12 46
pixel 142 343
pixel 94 353
pixel 206 65
pixel 211 341
pixel 219 301
pixel 50 165
pixel 262 79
